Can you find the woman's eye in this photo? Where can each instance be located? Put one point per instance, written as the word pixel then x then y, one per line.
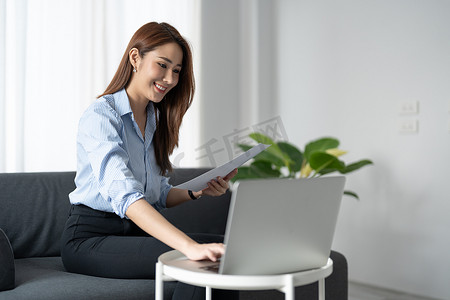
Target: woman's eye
pixel 164 66
pixel 176 71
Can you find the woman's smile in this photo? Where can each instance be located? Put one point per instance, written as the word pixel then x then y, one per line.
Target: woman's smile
pixel 160 88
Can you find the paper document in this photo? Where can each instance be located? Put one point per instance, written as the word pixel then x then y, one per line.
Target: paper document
pixel 200 182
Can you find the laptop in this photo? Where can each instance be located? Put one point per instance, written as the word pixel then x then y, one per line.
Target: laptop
pixel 277 226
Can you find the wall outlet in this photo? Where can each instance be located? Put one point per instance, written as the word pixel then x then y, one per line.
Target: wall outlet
pixel 409 108
pixel 408 126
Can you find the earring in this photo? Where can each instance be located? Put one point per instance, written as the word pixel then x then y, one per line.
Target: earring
pixel 134 70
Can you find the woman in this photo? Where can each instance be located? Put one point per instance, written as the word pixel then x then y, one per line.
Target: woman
pixel 123 145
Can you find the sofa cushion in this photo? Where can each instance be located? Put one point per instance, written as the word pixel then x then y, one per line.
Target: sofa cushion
pixel 7 270
pixel 34 209
pixel 45 278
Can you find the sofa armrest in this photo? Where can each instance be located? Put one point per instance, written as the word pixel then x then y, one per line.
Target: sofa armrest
pixel 7 268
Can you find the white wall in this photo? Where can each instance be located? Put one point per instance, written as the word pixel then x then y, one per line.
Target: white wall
pixel 237 80
pixel 343 68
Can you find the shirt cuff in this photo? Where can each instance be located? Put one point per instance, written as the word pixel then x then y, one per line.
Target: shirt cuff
pixel 162 203
pixel 123 193
pixel 121 212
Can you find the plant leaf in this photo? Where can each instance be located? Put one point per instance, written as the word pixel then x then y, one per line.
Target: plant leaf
pixel 321 160
pixel 326 171
pixel 294 154
pixel 264 169
pixel 261 138
pixel 275 155
pixel 245 147
pixel 245 172
pixel 271 158
pixel 336 152
pixel 352 194
pixel 321 144
pixel 264 156
pixel 355 166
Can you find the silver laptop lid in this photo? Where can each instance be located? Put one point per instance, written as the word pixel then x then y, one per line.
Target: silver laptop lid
pixel 281 225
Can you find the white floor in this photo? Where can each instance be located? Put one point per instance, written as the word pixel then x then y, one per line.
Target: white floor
pixel 357 291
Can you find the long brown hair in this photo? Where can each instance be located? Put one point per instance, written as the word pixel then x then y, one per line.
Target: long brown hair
pixel 175 104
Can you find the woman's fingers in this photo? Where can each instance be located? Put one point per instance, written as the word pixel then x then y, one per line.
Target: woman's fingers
pixel 219 186
pixel 231 175
pixel 214 254
pixel 206 251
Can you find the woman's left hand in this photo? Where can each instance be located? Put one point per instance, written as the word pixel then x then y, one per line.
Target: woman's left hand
pixel 218 186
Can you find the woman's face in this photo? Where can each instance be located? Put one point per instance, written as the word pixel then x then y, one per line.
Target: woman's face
pixel 157 72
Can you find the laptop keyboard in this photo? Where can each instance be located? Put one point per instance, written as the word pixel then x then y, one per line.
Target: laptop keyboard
pixel 213 268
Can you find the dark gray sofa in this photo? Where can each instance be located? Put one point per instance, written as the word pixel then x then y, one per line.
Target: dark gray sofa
pixel 33 211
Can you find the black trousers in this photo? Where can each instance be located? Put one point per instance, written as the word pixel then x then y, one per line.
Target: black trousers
pixel 102 244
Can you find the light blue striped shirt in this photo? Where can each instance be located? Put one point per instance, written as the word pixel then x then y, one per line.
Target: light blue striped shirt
pixel 116 166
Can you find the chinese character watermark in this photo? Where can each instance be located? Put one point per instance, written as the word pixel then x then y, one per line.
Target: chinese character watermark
pixel 272 128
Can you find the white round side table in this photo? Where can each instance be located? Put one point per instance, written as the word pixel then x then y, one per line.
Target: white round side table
pixel 286 283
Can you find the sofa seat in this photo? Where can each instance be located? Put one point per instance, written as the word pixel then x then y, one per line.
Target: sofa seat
pixel 43 278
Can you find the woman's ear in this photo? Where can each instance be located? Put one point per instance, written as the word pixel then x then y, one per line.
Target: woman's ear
pixel 134 57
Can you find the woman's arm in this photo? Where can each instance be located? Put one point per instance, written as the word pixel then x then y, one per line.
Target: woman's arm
pixel 177 196
pixel 152 222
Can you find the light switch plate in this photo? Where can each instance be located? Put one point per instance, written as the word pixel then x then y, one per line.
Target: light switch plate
pixel 408 126
pixel 409 108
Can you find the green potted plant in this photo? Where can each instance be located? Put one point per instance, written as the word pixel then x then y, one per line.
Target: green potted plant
pixel 284 160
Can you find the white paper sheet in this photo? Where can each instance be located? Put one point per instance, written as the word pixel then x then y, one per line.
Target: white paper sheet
pixel 200 182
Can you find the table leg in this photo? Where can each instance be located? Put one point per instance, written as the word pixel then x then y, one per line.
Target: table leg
pixel 208 292
pixel 159 289
pixel 289 289
pixel 322 289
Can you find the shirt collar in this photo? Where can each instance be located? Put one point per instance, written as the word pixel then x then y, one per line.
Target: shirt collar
pixel 122 102
pixel 122 105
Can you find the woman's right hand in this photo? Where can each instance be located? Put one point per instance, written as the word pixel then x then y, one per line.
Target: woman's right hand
pixel 212 251
pixel 151 221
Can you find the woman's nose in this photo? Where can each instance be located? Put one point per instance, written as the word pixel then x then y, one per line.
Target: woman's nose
pixel 169 77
